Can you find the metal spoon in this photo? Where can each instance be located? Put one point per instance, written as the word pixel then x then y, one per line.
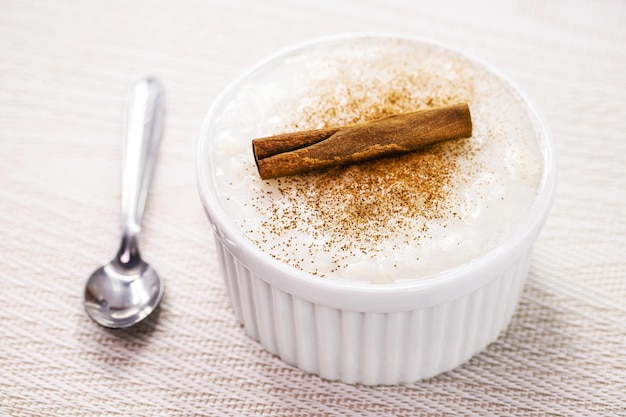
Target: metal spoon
pixel 127 290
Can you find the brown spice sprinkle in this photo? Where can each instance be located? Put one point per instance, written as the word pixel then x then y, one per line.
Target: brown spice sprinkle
pixel 355 208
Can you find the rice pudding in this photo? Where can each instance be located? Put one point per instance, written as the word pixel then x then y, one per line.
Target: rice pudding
pixel 399 218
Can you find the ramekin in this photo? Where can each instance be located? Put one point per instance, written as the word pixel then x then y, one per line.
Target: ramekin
pixel 374 333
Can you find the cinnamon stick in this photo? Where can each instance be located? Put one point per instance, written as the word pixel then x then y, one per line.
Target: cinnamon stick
pixel 301 152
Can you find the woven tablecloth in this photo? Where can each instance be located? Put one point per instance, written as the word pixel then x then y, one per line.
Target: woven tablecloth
pixel 65 71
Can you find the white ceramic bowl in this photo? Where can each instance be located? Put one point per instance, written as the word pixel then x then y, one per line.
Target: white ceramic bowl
pixel 372 333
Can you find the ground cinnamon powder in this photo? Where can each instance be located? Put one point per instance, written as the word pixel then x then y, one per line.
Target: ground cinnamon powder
pixel 357 208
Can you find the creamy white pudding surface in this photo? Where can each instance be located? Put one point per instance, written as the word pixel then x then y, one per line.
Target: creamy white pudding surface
pixel 400 218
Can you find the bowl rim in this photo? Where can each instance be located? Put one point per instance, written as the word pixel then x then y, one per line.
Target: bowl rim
pixel 362 296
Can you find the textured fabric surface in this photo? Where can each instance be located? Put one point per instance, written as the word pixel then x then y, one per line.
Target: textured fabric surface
pixel 65 70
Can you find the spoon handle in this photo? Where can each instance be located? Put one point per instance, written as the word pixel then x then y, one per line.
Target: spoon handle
pixel 144 125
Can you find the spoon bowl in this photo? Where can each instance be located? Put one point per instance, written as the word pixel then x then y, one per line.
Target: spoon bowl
pixel 119 295
pixel 127 290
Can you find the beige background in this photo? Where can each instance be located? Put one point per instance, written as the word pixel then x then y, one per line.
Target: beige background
pixel 65 71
